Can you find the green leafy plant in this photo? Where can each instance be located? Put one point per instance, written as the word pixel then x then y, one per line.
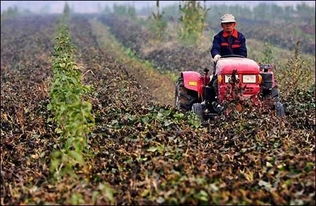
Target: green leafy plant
pixel 194 120
pixel 72 114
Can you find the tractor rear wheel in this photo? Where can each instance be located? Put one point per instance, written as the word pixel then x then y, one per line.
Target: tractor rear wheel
pixel 184 98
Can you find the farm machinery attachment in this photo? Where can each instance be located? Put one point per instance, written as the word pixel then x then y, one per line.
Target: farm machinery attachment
pixel 236 79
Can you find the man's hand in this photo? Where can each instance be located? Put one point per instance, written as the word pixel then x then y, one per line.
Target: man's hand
pixel 216 58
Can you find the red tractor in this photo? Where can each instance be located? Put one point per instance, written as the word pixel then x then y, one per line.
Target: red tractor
pixel 236 79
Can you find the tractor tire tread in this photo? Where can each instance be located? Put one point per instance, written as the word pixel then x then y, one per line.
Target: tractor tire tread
pixel 185 100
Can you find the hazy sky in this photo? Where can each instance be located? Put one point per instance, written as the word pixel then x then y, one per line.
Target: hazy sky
pixel 94 6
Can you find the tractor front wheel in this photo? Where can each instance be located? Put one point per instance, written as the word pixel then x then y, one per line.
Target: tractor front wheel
pixel 184 98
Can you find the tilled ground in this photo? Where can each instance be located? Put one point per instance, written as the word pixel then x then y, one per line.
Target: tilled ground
pixel 172 57
pixel 154 154
pixel 150 153
pixel 161 87
pixel 26 136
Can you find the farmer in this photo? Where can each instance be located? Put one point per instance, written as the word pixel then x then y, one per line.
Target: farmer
pixel 229 40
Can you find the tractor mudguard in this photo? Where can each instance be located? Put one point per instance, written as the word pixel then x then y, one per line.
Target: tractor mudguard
pixel 192 80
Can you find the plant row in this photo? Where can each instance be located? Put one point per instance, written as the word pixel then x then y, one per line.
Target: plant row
pixel 72 114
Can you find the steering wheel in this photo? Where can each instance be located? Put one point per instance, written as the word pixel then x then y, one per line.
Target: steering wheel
pixel 232 55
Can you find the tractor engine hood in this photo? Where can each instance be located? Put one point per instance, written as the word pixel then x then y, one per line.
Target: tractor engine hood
pixel 242 65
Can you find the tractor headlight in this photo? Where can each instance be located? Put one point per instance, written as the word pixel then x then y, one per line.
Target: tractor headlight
pixel 228 77
pixel 249 78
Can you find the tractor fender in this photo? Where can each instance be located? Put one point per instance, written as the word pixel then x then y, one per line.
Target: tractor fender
pixel 192 80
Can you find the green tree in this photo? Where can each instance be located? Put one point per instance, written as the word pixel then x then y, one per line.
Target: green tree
pixel 123 10
pixel 157 24
pixel 131 11
pixel 288 13
pixel 192 21
pixel 260 11
pixel 171 12
pixel 11 12
pixel 306 13
pixel 66 10
pixel 276 12
pixel 107 10
pixel 119 10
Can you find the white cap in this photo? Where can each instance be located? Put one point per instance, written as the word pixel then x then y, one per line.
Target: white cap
pixel 227 18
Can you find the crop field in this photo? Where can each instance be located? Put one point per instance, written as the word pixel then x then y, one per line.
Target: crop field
pixel 88 117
